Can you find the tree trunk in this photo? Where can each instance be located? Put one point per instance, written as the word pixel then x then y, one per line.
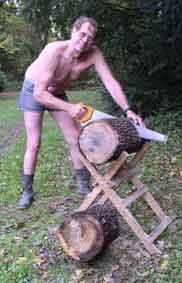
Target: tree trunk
pixel 105 139
pixel 85 234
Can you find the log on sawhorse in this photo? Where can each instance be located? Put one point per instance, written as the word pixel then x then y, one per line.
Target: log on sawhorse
pixel 122 170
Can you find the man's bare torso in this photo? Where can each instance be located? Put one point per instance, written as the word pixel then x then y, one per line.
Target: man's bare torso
pixel 64 69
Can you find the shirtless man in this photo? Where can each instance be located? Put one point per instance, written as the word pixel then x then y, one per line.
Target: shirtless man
pixel 46 78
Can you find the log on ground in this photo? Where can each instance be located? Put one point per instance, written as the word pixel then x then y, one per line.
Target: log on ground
pixel 105 139
pixel 84 234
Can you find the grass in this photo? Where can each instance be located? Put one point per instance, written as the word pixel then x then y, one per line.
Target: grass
pixel 28 253
pixel 10 115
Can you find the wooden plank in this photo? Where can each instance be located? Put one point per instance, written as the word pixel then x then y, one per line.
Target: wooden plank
pixel 125 213
pixel 154 206
pixel 111 172
pixel 139 155
pixel 159 229
pixel 117 181
pixel 129 199
pixel 103 199
pixel 97 190
pixel 134 196
pixel 116 165
pixel 105 185
pixel 90 198
pixel 130 219
pixel 149 199
pixel 123 176
pixel 91 169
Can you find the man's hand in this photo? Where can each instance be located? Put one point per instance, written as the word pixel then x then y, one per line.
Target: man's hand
pixel 135 118
pixel 76 111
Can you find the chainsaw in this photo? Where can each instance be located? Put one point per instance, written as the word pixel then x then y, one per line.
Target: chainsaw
pixel 92 115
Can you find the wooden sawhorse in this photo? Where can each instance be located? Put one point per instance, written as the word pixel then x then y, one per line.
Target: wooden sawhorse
pixel 124 170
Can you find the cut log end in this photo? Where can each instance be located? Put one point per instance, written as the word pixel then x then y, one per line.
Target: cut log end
pixel 105 139
pixel 98 141
pixel 81 237
pixel 84 234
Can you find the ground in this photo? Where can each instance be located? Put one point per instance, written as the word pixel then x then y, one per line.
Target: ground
pixel 29 252
pixel 15 131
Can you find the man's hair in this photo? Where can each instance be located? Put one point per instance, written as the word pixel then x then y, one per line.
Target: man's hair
pixel 84 19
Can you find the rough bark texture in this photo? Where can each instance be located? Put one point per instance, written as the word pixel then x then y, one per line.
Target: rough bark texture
pixel 105 139
pixel 85 234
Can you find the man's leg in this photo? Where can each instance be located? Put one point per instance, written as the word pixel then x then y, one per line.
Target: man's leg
pixel 33 126
pixel 70 131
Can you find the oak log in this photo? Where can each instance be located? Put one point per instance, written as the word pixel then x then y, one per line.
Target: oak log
pixel 84 234
pixel 105 139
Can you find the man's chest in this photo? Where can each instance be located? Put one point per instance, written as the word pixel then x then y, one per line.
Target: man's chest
pixel 67 71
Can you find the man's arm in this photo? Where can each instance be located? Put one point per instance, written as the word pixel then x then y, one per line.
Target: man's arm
pixel 113 86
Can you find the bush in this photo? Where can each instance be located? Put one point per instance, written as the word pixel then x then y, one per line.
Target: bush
pixel 3 80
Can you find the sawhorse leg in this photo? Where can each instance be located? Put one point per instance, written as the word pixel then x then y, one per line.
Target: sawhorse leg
pixel 104 184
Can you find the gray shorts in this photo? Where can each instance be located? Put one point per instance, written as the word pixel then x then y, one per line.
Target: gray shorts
pixel 27 101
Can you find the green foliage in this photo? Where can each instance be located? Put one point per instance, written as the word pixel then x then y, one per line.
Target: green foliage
pixel 153 60
pixel 16 49
pixel 39 14
pixel 137 41
pixel 3 80
pixel 140 39
pixel 8 51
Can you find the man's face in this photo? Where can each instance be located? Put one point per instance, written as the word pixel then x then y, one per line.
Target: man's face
pixel 83 38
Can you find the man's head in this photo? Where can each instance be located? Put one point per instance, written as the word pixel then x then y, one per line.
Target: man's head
pixel 84 19
pixel 83 33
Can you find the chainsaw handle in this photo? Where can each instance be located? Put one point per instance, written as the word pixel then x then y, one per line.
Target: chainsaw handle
pixel 88 113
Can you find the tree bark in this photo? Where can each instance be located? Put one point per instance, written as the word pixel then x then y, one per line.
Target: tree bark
pixel 105 139
pixel 85 234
